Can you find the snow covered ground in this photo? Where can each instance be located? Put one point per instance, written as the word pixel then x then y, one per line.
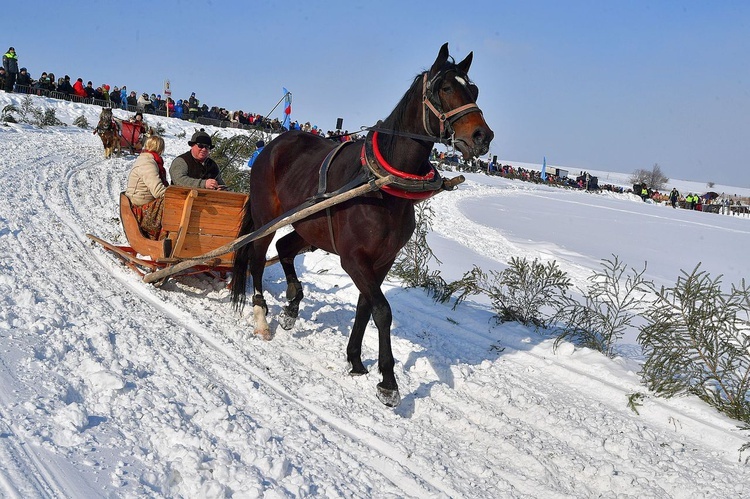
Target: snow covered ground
pixel 110 387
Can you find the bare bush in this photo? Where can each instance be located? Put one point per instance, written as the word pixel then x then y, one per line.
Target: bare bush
pixel 654 178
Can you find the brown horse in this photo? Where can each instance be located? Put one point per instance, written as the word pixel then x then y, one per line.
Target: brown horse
pixel 109 131
pixel 366 232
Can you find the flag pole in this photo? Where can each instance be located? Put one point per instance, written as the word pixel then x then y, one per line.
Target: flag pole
pixel 277 104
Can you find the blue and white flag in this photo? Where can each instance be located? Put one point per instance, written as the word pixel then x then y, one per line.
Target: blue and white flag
pixel 544 170
pixel 287 109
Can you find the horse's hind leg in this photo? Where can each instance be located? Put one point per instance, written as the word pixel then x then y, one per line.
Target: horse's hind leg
pixel 257 255
pixel 288 247
pixel 354 347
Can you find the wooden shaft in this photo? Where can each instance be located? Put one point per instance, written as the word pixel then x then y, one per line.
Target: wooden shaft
pixel 272 226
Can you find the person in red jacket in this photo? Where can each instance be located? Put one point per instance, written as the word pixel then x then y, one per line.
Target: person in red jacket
pixel 78 88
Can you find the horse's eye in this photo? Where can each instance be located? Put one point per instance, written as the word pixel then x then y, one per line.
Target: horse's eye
pixel 474 91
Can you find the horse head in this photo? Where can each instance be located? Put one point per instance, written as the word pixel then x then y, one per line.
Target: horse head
pixel 449 105
pixel 105 119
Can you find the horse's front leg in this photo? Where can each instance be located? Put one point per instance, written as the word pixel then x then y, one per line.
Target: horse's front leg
pixel 372 302
pixel 381 313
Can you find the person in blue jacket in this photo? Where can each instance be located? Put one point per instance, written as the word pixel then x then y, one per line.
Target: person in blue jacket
pixel 178 109
pixel 124 96
pixel 258 148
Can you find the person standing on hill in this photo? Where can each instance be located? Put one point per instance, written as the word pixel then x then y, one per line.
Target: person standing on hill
pixel 52 84
pixel 673 197
pixel 114 97
pixel 10 64
pixel 644 192
pixel 24 79
pixel 143 102
pixel 64 86
pixel 258 148
pixel 193 107
pixel 78 88
pixel 178 109
pixel 132 100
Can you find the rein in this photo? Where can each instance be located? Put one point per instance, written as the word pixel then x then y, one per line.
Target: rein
pixel 415 136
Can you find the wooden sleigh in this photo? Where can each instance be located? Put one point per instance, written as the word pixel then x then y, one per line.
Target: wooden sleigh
pixel 202 226
pixel 196 222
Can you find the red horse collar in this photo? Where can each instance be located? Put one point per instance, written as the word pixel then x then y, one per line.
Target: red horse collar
pixel 407 185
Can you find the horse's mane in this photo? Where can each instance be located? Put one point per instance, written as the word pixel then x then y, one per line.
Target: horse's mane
pixel 397 118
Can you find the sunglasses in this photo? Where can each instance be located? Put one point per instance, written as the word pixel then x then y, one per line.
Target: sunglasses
pixel 203 146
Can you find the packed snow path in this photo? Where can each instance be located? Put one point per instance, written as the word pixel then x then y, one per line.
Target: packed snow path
pixel 109 386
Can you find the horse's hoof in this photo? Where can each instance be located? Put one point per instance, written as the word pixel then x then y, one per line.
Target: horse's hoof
pixel 389 397
pixel 264 334
pixel 286 321
pixel 357 368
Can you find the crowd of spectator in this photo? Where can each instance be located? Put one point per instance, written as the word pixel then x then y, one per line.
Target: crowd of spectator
pixel 20 80
pixel 583 181
pixel 13 79
pixel 188 109
pixel 710 201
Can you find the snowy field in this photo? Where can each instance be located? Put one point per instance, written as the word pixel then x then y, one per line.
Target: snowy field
pixel 110 387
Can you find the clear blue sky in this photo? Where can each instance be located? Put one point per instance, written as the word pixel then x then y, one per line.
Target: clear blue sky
pixel 589 84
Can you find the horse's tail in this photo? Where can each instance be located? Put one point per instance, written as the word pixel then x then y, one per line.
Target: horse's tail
pixel 242 258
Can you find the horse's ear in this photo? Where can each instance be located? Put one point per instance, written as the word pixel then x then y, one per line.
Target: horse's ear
pixel 441 59
pixel 464 65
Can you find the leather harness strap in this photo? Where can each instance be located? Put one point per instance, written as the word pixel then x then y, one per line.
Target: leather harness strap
pixel 323 172
pixel 323 187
